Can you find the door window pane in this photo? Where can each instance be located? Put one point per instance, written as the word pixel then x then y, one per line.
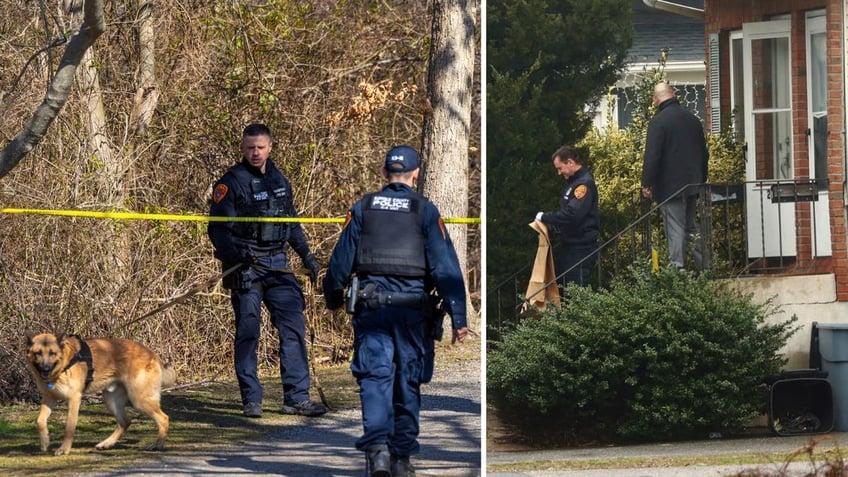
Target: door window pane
pixel 774 145
pixel 818 103
pixel 738 86
pixel 769 68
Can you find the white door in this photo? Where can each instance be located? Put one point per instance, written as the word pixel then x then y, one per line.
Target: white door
pixel 768 135
pixel 817 132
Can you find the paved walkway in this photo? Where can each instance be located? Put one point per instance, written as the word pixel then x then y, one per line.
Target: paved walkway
pixel 323 446
pixel 754 446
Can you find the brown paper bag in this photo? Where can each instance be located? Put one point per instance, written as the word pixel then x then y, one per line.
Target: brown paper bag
pixel 543 275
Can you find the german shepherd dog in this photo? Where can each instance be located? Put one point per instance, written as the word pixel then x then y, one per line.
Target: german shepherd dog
pixel 125 371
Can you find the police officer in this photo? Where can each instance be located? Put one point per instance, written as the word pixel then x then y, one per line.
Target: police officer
pixel 256 188
pixel 396 246
pixel 576 221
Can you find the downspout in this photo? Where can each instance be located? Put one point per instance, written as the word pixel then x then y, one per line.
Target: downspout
pixel 675 8
pixel 844 117
pixel 844 103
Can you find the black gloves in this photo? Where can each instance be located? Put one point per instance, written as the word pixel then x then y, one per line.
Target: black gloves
pixel 334 300
pixel 312 264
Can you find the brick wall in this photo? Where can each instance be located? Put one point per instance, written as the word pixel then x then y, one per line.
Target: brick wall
pixel 725 16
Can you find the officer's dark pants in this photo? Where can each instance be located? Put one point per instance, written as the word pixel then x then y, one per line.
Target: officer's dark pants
pixel 388 363
pixel 569 256
pixel 283 297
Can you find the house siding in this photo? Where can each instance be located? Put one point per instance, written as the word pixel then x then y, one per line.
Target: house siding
pixel 724 16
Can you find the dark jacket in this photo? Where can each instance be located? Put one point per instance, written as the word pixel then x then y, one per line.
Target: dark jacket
pixel 232 197
pixel 576 220
pixel 442 264
pixel 675 152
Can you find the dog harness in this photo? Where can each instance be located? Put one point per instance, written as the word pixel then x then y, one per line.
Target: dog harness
pixel 84 355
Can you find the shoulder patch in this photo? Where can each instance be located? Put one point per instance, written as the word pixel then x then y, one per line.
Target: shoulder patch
pixel 580 191
pixel 219 193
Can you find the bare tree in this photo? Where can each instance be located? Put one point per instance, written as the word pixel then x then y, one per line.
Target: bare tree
pixel 93 25
pixel 147 94
pixel 337 84
pixel 447 125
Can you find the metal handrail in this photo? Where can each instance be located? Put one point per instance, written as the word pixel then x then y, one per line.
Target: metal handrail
pixel 614 238
pixel 714 199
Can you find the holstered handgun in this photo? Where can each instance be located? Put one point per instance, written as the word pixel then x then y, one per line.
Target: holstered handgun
pixel 237 280
pixel 352 295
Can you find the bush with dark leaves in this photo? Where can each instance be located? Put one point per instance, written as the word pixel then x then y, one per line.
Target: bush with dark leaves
pixel 659 355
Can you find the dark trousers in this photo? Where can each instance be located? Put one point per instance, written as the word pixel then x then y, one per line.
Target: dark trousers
pixel 389 363
pixel 568 257
pixel 282 296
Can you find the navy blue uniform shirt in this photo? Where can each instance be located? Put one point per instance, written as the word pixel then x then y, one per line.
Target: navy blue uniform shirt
pixel 577 220
pixel 228 198
pixel 442 263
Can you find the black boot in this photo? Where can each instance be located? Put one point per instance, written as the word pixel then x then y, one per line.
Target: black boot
pixel 401 467
pixel 378 461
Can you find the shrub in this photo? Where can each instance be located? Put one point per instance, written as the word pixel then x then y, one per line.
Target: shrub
pixel 659 355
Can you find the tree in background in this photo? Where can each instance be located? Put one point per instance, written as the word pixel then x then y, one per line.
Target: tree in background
pixel 92 26
pixel 549 63
pixel 337 82
pixel 447 125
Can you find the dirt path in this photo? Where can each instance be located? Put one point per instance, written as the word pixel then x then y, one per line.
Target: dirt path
pixel 323 446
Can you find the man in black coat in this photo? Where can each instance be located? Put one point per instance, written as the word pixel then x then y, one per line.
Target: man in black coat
pixel 676 156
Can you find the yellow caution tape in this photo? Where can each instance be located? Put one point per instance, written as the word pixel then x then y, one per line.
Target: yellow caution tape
pixel 197 218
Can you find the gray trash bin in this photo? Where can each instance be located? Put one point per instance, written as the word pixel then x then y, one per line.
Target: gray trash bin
pixel 833 348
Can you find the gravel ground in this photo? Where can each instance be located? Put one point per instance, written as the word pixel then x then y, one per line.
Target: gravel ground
pixel 323 446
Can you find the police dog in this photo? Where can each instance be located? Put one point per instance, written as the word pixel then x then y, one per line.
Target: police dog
pixel 125 371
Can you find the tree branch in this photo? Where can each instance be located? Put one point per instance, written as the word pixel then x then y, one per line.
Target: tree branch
pixel 94 24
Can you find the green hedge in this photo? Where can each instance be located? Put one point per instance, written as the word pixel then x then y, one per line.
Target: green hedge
pixel 660 355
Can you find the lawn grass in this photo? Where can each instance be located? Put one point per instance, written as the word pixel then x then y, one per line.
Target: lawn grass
pixel 769 464
pixel 204 416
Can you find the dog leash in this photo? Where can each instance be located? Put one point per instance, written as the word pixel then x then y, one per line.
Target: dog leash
pixel 205 285
pixel 202 286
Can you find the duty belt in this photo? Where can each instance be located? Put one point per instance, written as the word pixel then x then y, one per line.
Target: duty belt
pixel 372 297
pixel 267 253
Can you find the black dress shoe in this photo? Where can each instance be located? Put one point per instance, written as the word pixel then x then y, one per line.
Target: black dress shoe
pixel 253 409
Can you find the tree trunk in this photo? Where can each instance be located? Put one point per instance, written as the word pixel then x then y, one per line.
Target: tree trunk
pixel 147 94
pixel 447 126
pixel 93 25
pixel 113 169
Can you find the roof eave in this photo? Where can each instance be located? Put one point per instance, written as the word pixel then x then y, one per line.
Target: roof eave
pixel 675 8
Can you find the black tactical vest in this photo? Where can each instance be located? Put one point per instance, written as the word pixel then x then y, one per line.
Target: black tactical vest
pixel 392 240
pixel 265 196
